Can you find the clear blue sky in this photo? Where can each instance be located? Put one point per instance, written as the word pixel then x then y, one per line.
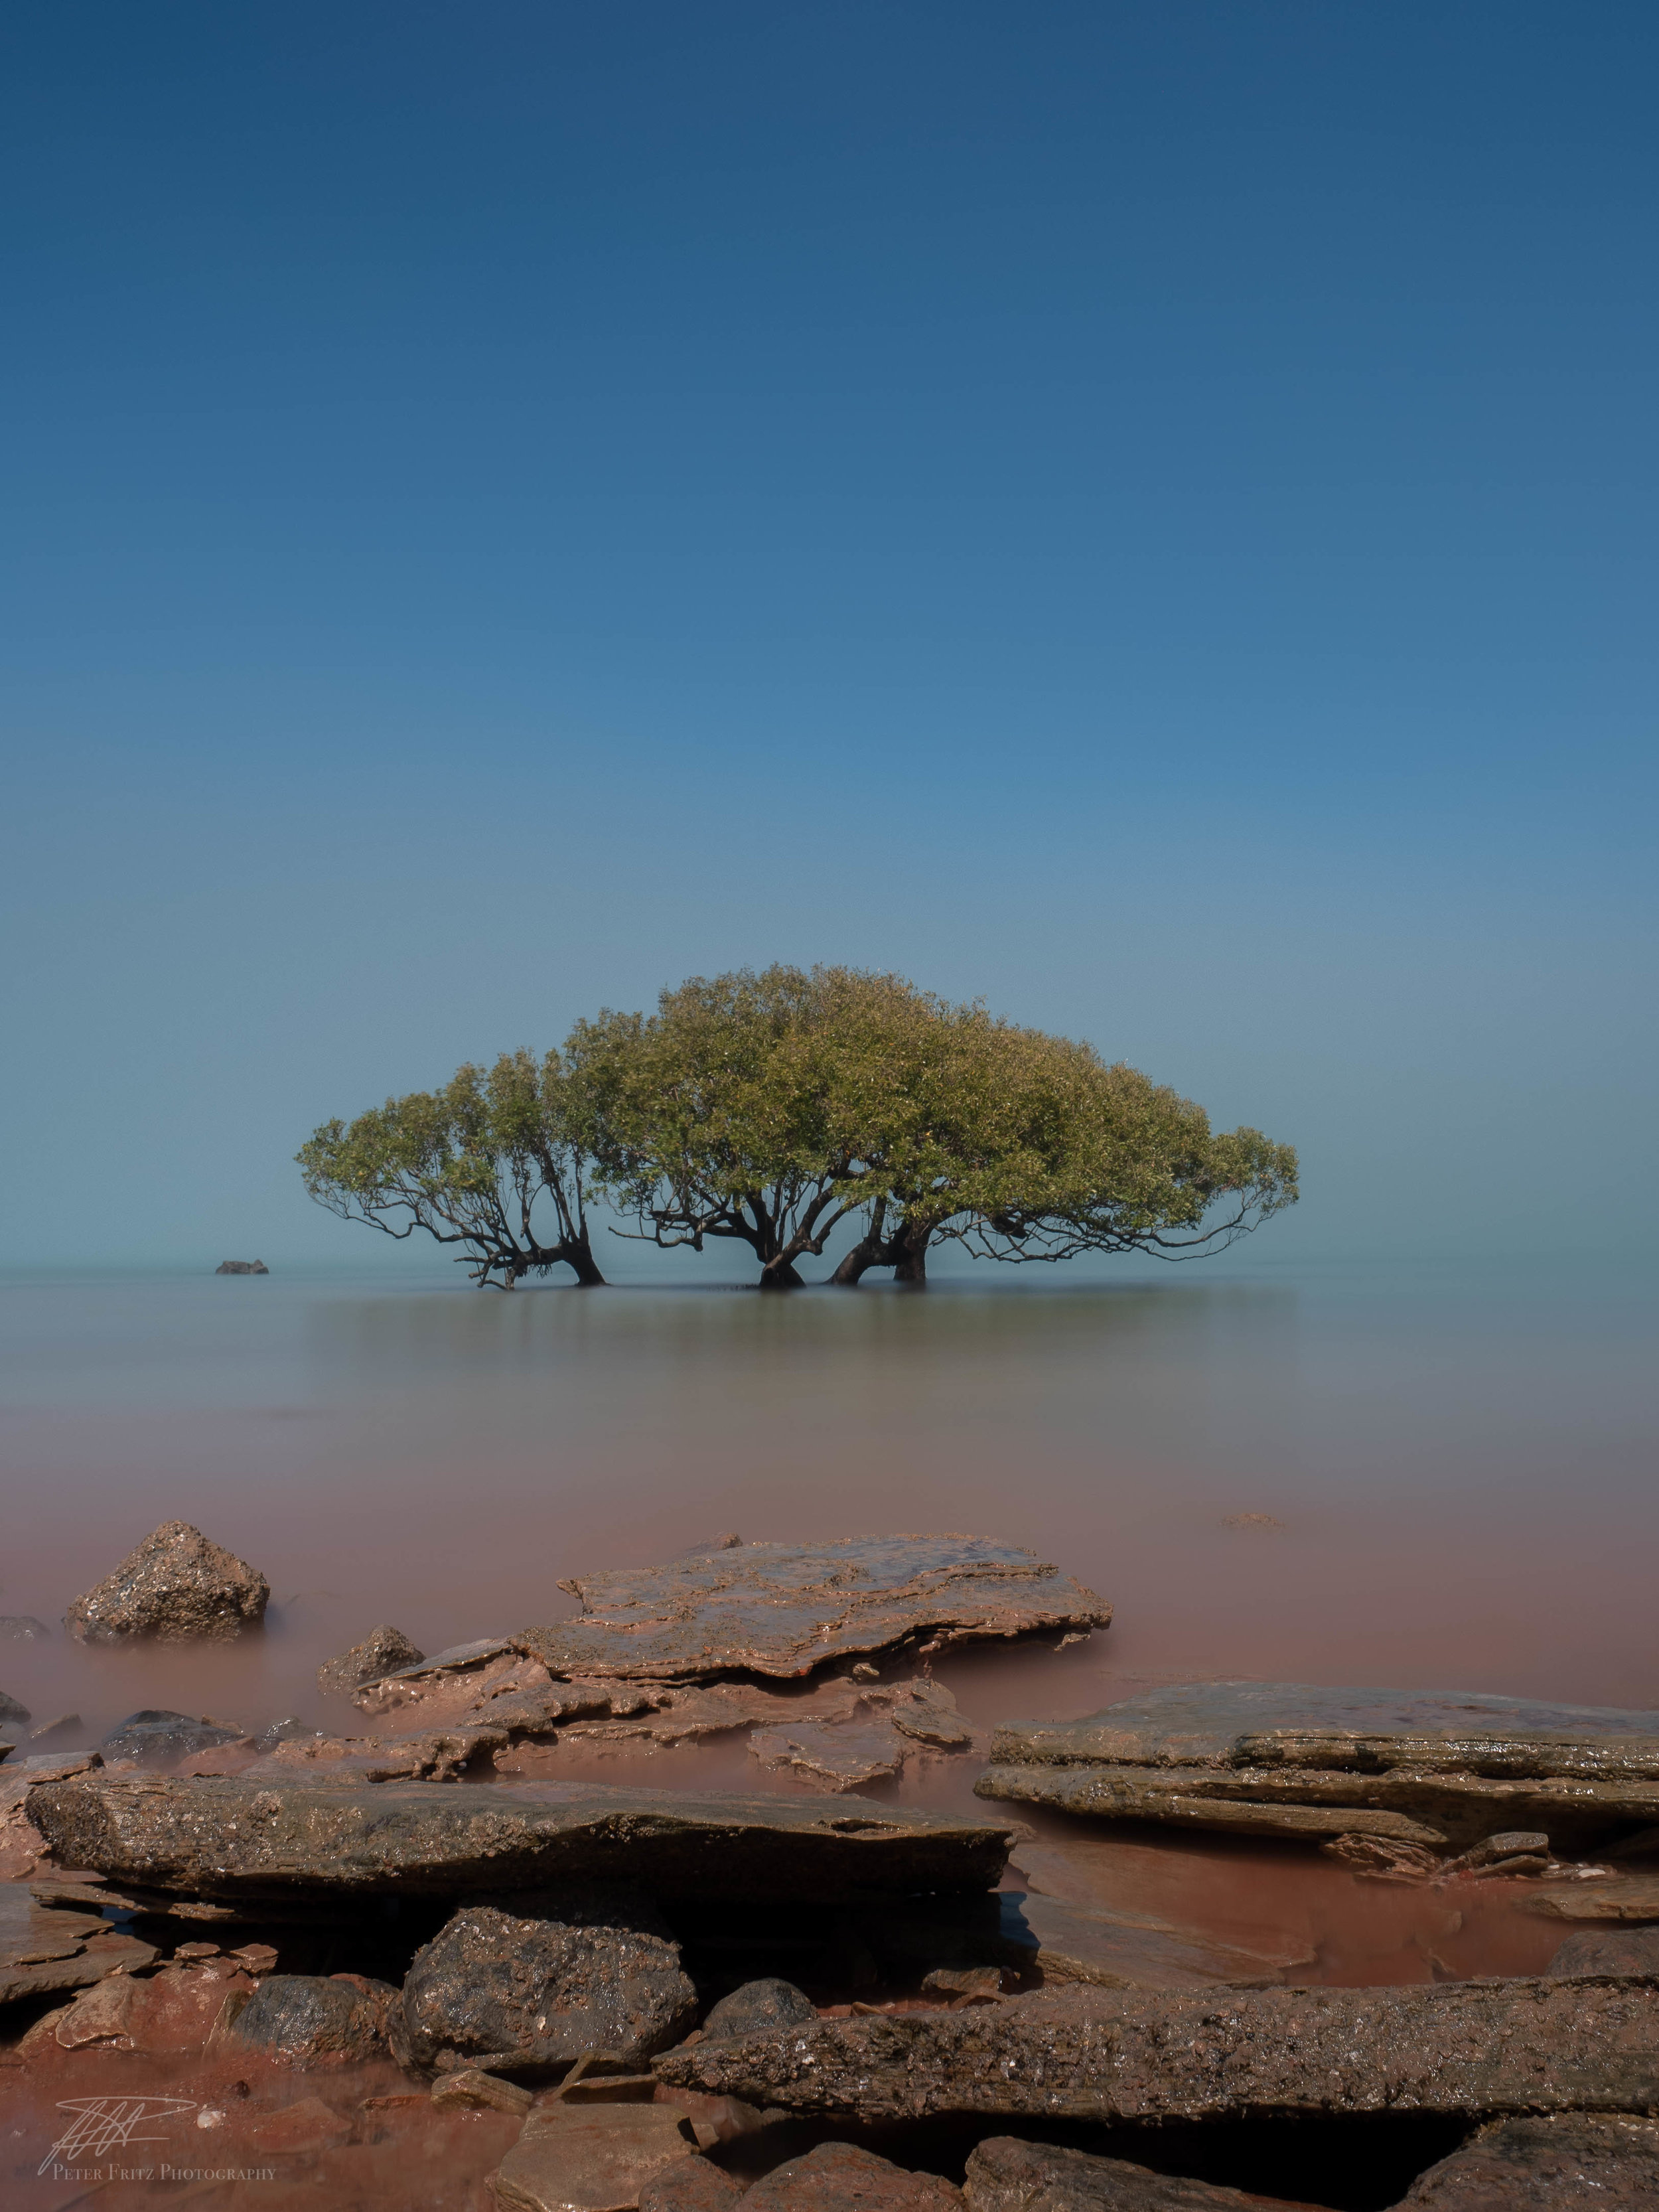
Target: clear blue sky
pixel 1142 513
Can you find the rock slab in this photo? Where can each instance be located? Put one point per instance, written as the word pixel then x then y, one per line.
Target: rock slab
pixel 1570 2162
pixel 540 1982
pixel 1005 2174
pixel 176 1587
pixel 784 1609
pixel 840 2177
pixel 1443 1770
pixel 44 1950
pixel 229 1838
pixel 595 2160
pixel 1470 2049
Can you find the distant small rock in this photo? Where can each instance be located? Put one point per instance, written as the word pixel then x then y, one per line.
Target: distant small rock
pixel 1253 1524
pixel 382 1652
pixel 241 1267
pixel 22 1628
pixel 10 1710
pixel 175 1587
pixel 756 2007
pixel 57 1735
pixel 156 1737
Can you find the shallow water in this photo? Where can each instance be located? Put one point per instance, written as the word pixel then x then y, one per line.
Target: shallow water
pixel 1411 1478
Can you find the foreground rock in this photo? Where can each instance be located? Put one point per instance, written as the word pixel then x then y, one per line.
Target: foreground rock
pixel 596 2158
pixel 1608 1950
pixel 1559 2163
pixel 44 1950
pixel 176 1587
pixel 1007 2175
pixel 155 1737
pixel 21 1845
pixel 839 2177
pixel 1472 2049
pixel 234 1838
pixel 382 1652
pixel 310 2019
pixel 784 1609
pixel 758 2008
pixel 1438 1770
pixel 541 1983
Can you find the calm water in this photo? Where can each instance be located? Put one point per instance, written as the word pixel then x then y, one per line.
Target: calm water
pixel 1461 1463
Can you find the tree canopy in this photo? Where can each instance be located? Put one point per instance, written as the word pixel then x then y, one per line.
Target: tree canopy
pixel 773 1107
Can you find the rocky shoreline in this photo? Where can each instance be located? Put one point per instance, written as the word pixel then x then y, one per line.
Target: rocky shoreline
pixel 409 1965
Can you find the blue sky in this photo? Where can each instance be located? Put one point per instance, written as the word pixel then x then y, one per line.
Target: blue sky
pixel 1143 514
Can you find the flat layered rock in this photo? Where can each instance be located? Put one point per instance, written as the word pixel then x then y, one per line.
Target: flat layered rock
pixel 1568 2163
pixel 839 2177
pixel 596 2158
pixel 44 1950
pixel 1079 1943
pixel 1005 2174
pixel 784 1609
pixel 1630 1897
pixel 1260 1723
pixel 1458 1766
pixel 1472 2049
pixel 231 1839
pixel 1225 1801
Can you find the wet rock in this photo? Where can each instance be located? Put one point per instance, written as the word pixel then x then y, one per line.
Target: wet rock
pixel 175 1587
pixel 1608 1950
pixel 306 2020
pixel 758 2005
pixel 43 1949
pixel 1234 1804
pixel 1005 2174
pixel 21 1845
pixel 241 1267
pixel 1546 2164
pixel 436 1755
pixel 10 1710
pixel 173 2009
pixel 840 2177
pixel 541 1983
pixel 57 1735
pixel 1457 1765
pixel 155 1737
pixel 784 1609
pixel 214 1839
pixel 690 2184
pixel 1624 1897
pixel 471 2087
pixel 1474 2049
pixel 382 1652
pixel 833 1760
pixel 310 2124
pixel 22 1628
pixel 595 2160
pixel 1083 1943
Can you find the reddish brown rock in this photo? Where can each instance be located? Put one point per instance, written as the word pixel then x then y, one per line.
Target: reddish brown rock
pixel 1007 2175
pixel 241 1838
pixel 381 1652
pixel 174 2009
pixel 596 2159
pixel 839 2177
pixel 1568 2163
pixel 45 1949
pixel 785 1609
pixel 309 2124
pixel 690 2184
pixel 175 1587
pixel 1474 2048
pixel 1611 1949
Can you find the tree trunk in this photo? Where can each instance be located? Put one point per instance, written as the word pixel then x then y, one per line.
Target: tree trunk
pixel 579 1255
pixel 909 1251
pixel 780 1274
pixel 862 1257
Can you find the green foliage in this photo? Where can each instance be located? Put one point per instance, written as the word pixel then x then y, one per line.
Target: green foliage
pixel 771 1108
pixel 490 1161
